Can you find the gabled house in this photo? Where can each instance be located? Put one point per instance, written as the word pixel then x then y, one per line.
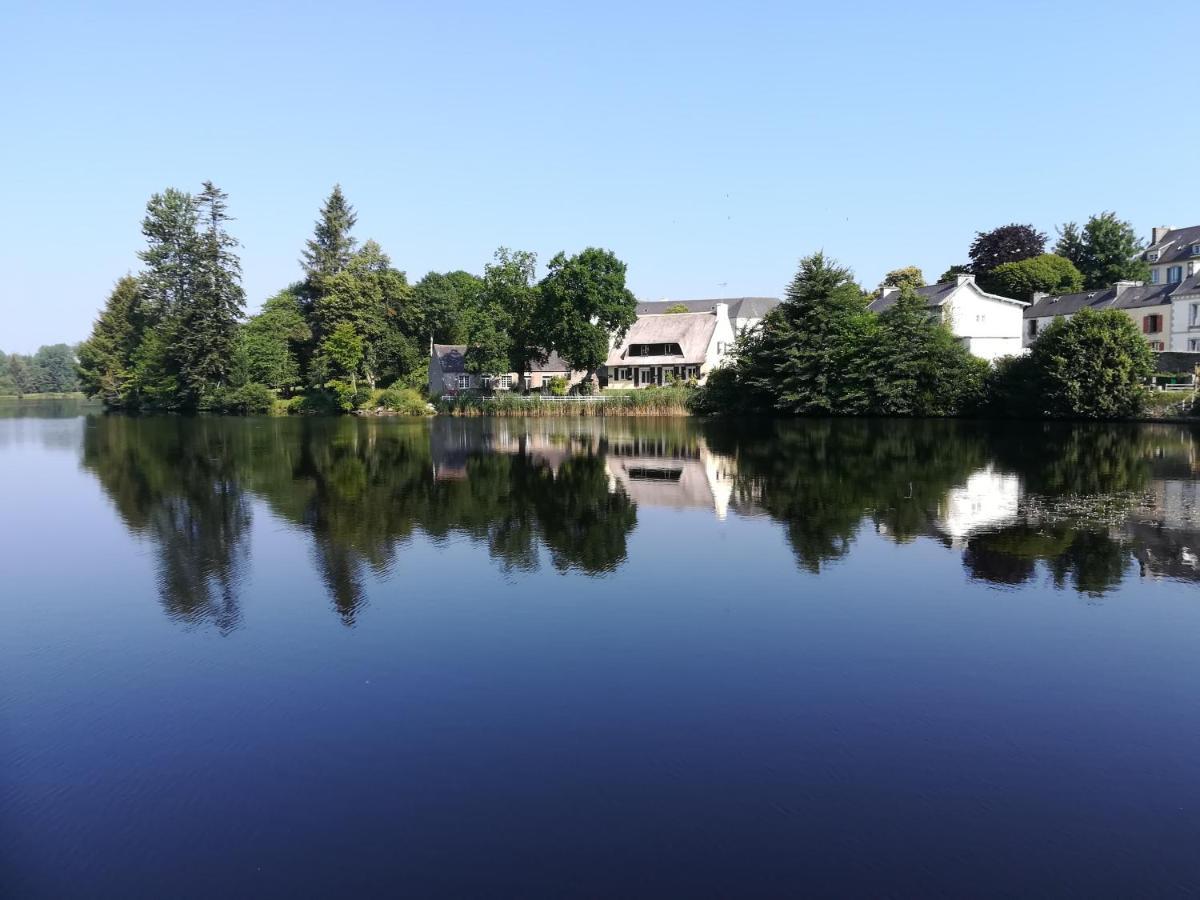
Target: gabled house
pixel 660 347
pixel 745 313
pixel 448 373
pixel 988 325
pixel 1167 314
pixel 1173 254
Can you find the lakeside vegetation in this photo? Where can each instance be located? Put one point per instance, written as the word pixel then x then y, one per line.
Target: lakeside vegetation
pixel 49 371
pixel 173 338
pixel 353 335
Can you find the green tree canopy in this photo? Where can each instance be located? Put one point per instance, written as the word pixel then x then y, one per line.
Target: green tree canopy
pixel 1048 273
pixel 586 305
pixel 911 276
pixel 1106 250
pixel 445 302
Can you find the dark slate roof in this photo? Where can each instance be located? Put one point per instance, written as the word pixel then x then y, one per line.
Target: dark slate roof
pixel 1147 295
pixel 1176 245
pixel 739 307
pixel 1066 304
pixel 935 295
pixel 1190 285
pixel 1176 361
pixel 1108 298
pixel 453 360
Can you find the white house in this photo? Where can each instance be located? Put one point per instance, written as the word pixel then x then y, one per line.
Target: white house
pixel 988 325
pixel 663 346
pixel 1173 254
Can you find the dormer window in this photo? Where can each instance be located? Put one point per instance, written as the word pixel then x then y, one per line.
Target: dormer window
pixel 1152 256
pixel 1195 249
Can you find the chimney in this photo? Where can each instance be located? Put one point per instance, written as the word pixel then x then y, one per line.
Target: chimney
pixel 1121 287
pixel 1158 232
pixel 1038 295
pixel 887 291
pixel 721 310
pixel 964 279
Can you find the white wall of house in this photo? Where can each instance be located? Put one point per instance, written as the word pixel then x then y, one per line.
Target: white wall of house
pixel 1185 322
pixel 721 345
pixel 991 327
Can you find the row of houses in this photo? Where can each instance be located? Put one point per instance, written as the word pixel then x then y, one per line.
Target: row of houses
pixel 666 344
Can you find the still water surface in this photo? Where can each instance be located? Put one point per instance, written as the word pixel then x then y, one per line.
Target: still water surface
pixel 279 657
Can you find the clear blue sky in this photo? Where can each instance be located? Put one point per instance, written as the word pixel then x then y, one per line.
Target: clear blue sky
pixel 709 146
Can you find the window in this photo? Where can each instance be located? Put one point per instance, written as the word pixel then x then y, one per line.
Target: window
pixel 1194 315
pixel 1156 345
pixel 1194 344
pixel 1195 249
pixel 528 382
pixel 1033 327
pixel 1154 276
pixel 1152 256
pixel 505 382
pixel 643 349
pixel 1152 324
pixel 1174 274
pixel 464 382
pixel 722 348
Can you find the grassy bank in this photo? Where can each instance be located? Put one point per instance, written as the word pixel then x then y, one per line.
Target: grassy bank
pixel 69 395
pixel 667 401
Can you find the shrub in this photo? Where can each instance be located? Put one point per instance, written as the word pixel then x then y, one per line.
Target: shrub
pixel 403 400
pixel 558 386
pixel 1010 388
pixel 1092 366
pixel 250 399
pixel 314 403
pixel 721 393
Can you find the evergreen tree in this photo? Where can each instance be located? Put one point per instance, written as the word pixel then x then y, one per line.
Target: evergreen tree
pixel 205 326
pixel 330 248
pixel 918 366
pixel 809 356
pixel 170 231
pixel 106 357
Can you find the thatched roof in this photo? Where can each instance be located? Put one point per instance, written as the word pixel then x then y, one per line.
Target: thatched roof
pixel 691 331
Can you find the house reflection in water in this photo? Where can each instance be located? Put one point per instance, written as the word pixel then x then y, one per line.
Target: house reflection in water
pixel 986 500
pixel 674 468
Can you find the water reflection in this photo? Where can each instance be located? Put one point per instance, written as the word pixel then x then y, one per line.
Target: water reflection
pixel 1082 507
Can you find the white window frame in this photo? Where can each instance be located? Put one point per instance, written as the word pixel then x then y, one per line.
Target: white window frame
pixel 1174 270
pixel 1152 256
pixel 506 382
pixel 1193 315
pixel 1194 344
pixel 464 382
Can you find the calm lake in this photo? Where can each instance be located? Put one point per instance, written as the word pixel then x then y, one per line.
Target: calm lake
pixel 589 658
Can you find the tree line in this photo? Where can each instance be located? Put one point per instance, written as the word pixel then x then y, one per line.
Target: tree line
pixel 51 370
pixel 1012 260
pixel 174 336
pixel 823 352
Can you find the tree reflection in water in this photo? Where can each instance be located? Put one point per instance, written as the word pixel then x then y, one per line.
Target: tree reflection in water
pixel 1080 504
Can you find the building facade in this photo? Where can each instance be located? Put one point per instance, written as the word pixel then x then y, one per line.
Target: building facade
pixel 663 347
pixel 448 375
pixel 988 325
